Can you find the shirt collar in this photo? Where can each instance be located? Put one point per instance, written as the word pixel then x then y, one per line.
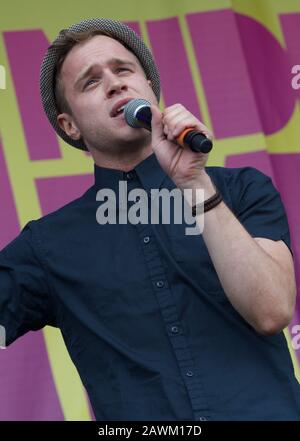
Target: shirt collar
pixel 148 174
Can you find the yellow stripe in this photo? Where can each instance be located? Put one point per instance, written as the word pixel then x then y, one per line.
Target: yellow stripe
pixel 73 398
pixel 293 354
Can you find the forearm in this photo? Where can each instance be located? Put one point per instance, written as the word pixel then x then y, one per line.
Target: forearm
pixel 253 281
pixel 257 278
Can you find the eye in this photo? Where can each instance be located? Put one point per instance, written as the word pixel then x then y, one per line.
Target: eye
pixel 89 82
pixel 123 69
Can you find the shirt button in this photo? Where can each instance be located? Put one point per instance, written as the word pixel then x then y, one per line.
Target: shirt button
pixel 202 418
pixel 129 175
pixel 189 373
pixel 146 239
pixel 175 329
pixel 160 284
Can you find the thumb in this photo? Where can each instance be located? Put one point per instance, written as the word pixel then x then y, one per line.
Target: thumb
pixel 156 126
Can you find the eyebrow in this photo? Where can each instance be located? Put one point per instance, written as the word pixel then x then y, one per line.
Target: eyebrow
pixel 89 69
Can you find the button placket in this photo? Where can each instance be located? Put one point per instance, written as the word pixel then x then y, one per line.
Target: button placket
pixel 160 284
pixel 175 329
pixel 169 313
pixel 129 175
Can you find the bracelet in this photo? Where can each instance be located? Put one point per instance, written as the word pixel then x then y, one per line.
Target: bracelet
pixel 210 203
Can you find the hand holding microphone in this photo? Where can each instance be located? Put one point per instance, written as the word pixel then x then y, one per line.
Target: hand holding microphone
pixel 138 115
pixel 170 130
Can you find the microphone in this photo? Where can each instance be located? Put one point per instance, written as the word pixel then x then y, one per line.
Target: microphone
pixel 138 114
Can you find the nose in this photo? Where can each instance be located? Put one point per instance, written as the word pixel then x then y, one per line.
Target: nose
pixel 114 85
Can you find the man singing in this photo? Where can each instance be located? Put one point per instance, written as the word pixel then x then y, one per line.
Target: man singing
pixel 159 324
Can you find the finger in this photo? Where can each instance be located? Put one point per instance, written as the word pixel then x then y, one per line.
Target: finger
pixel 175 114
pixel 182 122
pixel 178 115
pixel 175 108
pixel 169 114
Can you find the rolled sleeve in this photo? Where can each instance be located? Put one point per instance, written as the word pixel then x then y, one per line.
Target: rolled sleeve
pixel 258 205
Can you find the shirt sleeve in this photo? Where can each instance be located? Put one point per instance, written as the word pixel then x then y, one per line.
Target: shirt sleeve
pixel 24 295
pixel 258 205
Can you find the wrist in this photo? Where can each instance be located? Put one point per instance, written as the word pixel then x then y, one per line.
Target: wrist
pixel 202 182
pixel 208 204
pixel 206 199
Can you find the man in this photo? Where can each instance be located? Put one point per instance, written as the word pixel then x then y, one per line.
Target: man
pixel 160 325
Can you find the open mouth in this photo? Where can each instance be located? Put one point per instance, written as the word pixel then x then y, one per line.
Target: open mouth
pixel 119 111
pixel 118 108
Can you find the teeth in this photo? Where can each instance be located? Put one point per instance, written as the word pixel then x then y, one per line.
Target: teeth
pixel 120 108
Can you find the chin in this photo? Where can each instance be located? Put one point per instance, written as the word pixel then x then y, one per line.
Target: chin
pixel 135 135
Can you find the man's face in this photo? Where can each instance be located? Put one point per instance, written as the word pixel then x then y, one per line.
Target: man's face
pixel 98 76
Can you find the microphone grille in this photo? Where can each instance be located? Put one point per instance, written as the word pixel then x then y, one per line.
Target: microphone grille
pixel 130 111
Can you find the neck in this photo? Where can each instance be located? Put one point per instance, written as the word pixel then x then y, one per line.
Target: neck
pixel 124 162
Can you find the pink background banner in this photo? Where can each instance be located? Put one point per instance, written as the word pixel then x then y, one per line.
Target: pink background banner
pixel 244 71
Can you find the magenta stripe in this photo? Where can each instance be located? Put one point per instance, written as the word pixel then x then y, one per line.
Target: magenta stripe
pixel 49 190
pixel 259 159
pixel 134 25
pixel 170 55
pixel 269 71
pixel 26 383
pixel 224 73
pixel 25 52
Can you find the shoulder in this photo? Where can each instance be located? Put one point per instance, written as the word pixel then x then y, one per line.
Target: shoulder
pixel 63 216
pixel 242 184
pixel 241 175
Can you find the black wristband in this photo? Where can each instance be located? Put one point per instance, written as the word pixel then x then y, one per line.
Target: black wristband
pixel 210 203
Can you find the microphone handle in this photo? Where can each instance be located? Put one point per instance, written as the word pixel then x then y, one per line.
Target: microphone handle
pixel 197 141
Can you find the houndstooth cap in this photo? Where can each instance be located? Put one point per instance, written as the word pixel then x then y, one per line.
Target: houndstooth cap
pixel 117 29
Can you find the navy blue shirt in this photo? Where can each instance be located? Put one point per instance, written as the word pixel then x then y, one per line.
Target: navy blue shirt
pixel 142 311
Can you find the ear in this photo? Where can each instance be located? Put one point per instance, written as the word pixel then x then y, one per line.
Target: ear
pixel 150 83
pixel 67 124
